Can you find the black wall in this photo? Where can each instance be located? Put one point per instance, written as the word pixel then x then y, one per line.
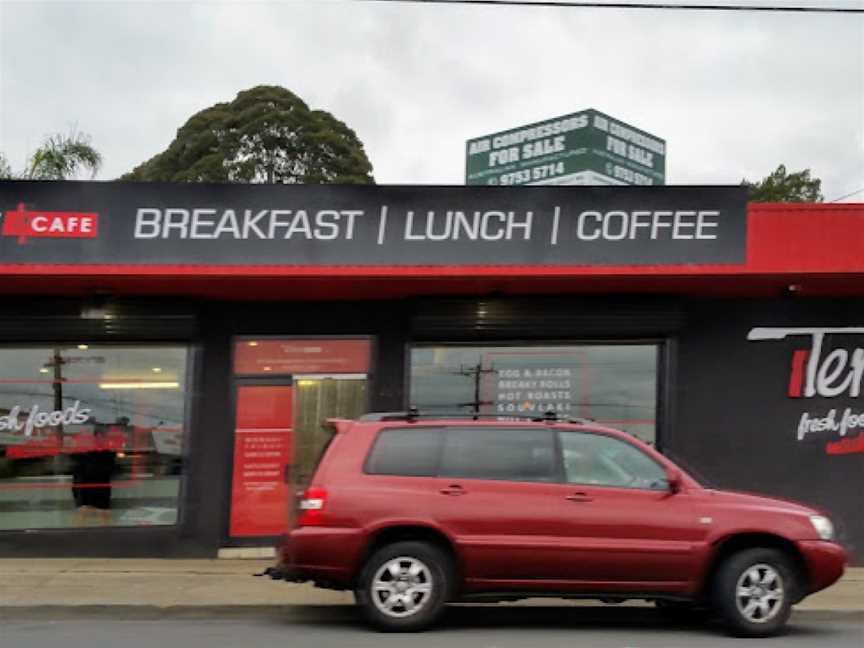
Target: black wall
pixel 735 423
pixel 724 411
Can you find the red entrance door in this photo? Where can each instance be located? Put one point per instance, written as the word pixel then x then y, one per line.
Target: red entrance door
pixel 263 446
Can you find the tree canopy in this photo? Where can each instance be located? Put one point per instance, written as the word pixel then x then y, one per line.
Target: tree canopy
pixel 265 135
pixel 782 186
pixel 60 157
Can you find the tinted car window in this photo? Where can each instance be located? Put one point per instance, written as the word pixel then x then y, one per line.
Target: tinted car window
pixel 410 452
pixel 607 461
pixel 499 453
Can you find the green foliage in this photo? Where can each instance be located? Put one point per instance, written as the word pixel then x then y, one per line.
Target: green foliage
pixel 5 169
pixel 60 157
pixel 63 156
pixel 265 135
pixel 782 186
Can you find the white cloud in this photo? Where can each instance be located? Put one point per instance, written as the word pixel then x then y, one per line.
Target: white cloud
pixel 733 94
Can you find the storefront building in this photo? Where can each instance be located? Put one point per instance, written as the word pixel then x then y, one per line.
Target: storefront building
pixel 168 353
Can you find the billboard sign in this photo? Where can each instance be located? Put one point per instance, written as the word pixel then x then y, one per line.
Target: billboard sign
pixel 587 148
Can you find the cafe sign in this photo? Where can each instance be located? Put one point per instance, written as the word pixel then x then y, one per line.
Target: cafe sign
pixel 158 224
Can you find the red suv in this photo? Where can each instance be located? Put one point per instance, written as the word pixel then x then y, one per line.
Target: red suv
pixel 411 512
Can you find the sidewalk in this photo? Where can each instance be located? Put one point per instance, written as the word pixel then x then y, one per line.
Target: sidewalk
pixel 163 584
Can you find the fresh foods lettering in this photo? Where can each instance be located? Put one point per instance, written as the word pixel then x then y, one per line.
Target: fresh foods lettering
pixel 37 419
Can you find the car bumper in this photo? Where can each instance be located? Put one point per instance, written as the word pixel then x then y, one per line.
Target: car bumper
pixel 826 562
pixel 322 554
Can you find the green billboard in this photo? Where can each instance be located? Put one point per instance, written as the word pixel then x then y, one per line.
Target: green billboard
pixel 587 147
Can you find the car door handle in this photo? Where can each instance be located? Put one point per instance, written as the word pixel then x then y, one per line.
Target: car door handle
pixel 579 497
pixel 453 489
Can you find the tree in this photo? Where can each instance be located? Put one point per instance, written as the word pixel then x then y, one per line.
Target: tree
pixel 5 169
pixel 782 186
pixel 60 157
pixel 265 135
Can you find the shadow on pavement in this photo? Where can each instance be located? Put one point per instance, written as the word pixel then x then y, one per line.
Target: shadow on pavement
pixel 643 619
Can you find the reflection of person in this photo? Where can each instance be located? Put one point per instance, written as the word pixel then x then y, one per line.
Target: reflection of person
pixel 91 478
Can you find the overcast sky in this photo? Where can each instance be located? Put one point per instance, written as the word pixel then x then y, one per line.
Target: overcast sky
pixel 733 94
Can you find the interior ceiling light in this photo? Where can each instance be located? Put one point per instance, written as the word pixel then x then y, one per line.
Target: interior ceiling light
pixel 139 385
pixel 253 343
pixel 83 347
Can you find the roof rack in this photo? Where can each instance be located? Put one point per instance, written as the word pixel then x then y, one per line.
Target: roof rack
pixel 413 414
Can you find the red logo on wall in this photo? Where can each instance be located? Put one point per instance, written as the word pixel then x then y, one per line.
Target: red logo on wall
pixel 24 224
pixel 835 376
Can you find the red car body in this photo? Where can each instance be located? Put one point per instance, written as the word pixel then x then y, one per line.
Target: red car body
pixel 513 539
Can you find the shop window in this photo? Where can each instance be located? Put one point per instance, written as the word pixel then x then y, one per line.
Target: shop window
pixel 91 435
pixel 615 385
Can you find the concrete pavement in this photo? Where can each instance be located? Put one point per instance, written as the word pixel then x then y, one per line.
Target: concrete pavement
pixel 223 584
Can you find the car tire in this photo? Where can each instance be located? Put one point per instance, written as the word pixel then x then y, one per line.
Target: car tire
pixel 404 586
pixel 753 592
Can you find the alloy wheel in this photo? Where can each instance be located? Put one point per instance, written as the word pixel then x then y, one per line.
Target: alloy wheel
pixel 402 587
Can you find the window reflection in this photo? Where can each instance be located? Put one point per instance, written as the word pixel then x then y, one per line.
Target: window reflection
pixel 615 385
pixel 90 435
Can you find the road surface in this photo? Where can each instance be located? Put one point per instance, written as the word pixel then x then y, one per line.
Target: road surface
pixel 340 626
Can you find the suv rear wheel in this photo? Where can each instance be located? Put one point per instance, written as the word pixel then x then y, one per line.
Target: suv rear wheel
pixel 403 586
pixel 753 592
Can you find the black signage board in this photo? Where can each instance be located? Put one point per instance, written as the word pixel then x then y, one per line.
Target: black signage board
pixel 335 225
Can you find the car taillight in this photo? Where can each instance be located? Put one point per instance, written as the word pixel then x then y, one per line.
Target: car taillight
pixel 312 507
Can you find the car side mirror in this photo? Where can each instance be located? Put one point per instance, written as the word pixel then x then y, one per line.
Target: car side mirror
pixel 674 479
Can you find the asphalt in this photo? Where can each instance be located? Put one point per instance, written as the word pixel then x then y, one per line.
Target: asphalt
pixel 183 586
pixel 461 627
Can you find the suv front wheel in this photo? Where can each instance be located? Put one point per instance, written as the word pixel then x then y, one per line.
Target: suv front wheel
pixel 403 586
pixel 753 592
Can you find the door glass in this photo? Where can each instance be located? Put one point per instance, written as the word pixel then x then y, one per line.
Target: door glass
pixel 412 452
pixel 606 461
pixel 526 455
pixel 316 400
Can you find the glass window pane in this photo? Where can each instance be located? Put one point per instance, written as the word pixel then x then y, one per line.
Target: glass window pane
pixel 91 435
pixel 615 385
pixel 411 452
pixel 499 453
pixel 606 461
pixel 316 400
